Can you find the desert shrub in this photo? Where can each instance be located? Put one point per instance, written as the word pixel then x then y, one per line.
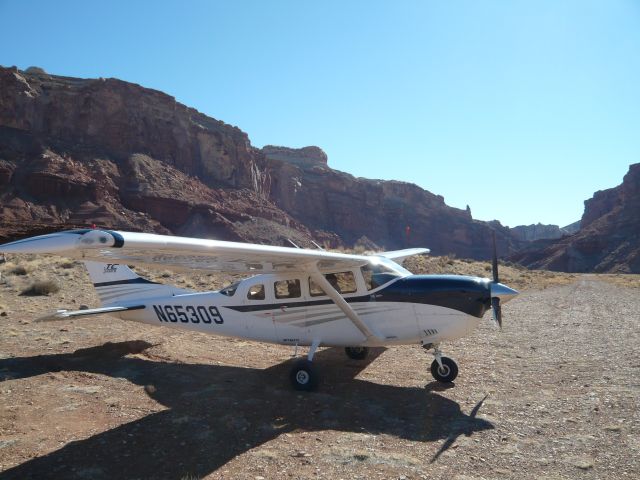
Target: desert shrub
pixel 68 264
pixel 34 69
pixel 41 287
pixel 17 270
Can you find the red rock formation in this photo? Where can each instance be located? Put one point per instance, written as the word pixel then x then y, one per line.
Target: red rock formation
pixel 531 233
pixel 322 198
pixel 77 151
pixel 608 239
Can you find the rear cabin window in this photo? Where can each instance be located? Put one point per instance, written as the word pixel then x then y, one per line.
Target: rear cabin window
pixel 287 289
pixel 343 282
pixel 256 292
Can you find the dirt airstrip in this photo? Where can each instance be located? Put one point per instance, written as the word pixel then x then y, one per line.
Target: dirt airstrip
pixel 554 395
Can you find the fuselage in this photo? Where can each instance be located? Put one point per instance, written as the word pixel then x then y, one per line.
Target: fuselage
pixel 398 307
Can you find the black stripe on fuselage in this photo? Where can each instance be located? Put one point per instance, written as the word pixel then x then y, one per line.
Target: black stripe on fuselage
pixel 469 295
pixel 126 282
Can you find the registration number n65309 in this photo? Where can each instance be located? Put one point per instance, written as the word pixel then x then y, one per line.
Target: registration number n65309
pixel 188 314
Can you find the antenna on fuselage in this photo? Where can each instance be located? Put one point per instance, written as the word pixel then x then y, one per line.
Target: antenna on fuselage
pixel 317 246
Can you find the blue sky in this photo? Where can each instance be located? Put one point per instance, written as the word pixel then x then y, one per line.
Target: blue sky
pixel 519 109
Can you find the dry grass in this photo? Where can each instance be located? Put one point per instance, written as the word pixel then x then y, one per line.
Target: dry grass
pixel 511 274
pixel 515 276
pixel 17 270
pixel 623 280
pixel 68 264
pixel 45 286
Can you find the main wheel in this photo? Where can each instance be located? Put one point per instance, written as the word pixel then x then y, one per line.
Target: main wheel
pixel 304 375
pixel 357 353
pixel 447 373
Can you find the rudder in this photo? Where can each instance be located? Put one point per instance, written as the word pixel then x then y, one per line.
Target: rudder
pixel 115 282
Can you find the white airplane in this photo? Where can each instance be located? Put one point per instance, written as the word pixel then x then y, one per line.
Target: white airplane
pixel 297 297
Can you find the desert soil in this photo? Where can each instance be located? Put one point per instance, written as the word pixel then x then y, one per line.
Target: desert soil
pixel 554 395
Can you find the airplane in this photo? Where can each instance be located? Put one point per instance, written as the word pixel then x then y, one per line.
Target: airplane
pixel 296 296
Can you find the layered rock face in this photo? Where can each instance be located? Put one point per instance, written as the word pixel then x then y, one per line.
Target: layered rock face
pixel 78 152
pixel 75 152
pixel 531 233
pixel 608 239
pixel 392 214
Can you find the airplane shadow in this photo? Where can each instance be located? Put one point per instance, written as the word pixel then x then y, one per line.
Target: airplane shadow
pixel 218 412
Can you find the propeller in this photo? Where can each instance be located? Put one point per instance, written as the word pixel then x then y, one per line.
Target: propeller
pixel 495 300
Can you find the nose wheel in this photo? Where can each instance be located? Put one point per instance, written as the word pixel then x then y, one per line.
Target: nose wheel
pixel 443 369
pixel 445 373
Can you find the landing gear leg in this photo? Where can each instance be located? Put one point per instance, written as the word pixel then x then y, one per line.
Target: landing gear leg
pixel 443 369
pixel 304 376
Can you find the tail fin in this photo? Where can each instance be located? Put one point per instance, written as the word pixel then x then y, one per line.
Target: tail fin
pixel 116 282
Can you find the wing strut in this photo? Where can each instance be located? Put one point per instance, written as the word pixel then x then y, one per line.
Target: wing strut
pixel 342 304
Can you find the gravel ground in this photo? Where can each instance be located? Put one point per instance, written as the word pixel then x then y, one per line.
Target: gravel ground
pixel 554 395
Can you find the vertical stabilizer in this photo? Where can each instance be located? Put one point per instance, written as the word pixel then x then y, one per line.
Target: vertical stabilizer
pixel 115 283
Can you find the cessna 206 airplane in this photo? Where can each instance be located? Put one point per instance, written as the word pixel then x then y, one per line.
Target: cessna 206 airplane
pixel 297 297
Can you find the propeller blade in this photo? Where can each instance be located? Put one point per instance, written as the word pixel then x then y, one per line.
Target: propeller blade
pixel 495 260
pixel 497 311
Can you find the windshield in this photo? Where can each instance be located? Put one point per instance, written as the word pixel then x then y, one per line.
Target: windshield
pixel 376 275
pixel 230 290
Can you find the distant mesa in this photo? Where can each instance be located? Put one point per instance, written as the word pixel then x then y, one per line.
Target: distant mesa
pixel 531 233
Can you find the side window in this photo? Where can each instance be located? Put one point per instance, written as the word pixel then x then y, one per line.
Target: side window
pixel 314 289
pixel 287 288
pixel 343 282
pixel 256 292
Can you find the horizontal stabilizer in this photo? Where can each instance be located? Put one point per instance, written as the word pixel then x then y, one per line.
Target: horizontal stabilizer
pixel 64 314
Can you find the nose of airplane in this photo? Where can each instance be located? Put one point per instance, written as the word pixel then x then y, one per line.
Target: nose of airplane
pixel 504 293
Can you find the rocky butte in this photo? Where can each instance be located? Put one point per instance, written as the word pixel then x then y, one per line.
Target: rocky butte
pixel 75 152
pixel 608 239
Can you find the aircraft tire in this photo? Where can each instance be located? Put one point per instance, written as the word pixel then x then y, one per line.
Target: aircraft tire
pixel 304 375
pixel 357 353
pixel 448 373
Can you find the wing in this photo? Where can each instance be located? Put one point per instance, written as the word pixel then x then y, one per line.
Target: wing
pixel 400 255
pixel 162 251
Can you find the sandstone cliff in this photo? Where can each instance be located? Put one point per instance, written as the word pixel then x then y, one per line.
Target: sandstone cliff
pixel 390 213
pixel 82 151
pixel 608 239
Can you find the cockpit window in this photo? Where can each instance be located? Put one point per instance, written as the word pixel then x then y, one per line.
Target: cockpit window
pixel 287 288
pixel 343 282
pixel 377 275
pixel 230 290
pixel 256 292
